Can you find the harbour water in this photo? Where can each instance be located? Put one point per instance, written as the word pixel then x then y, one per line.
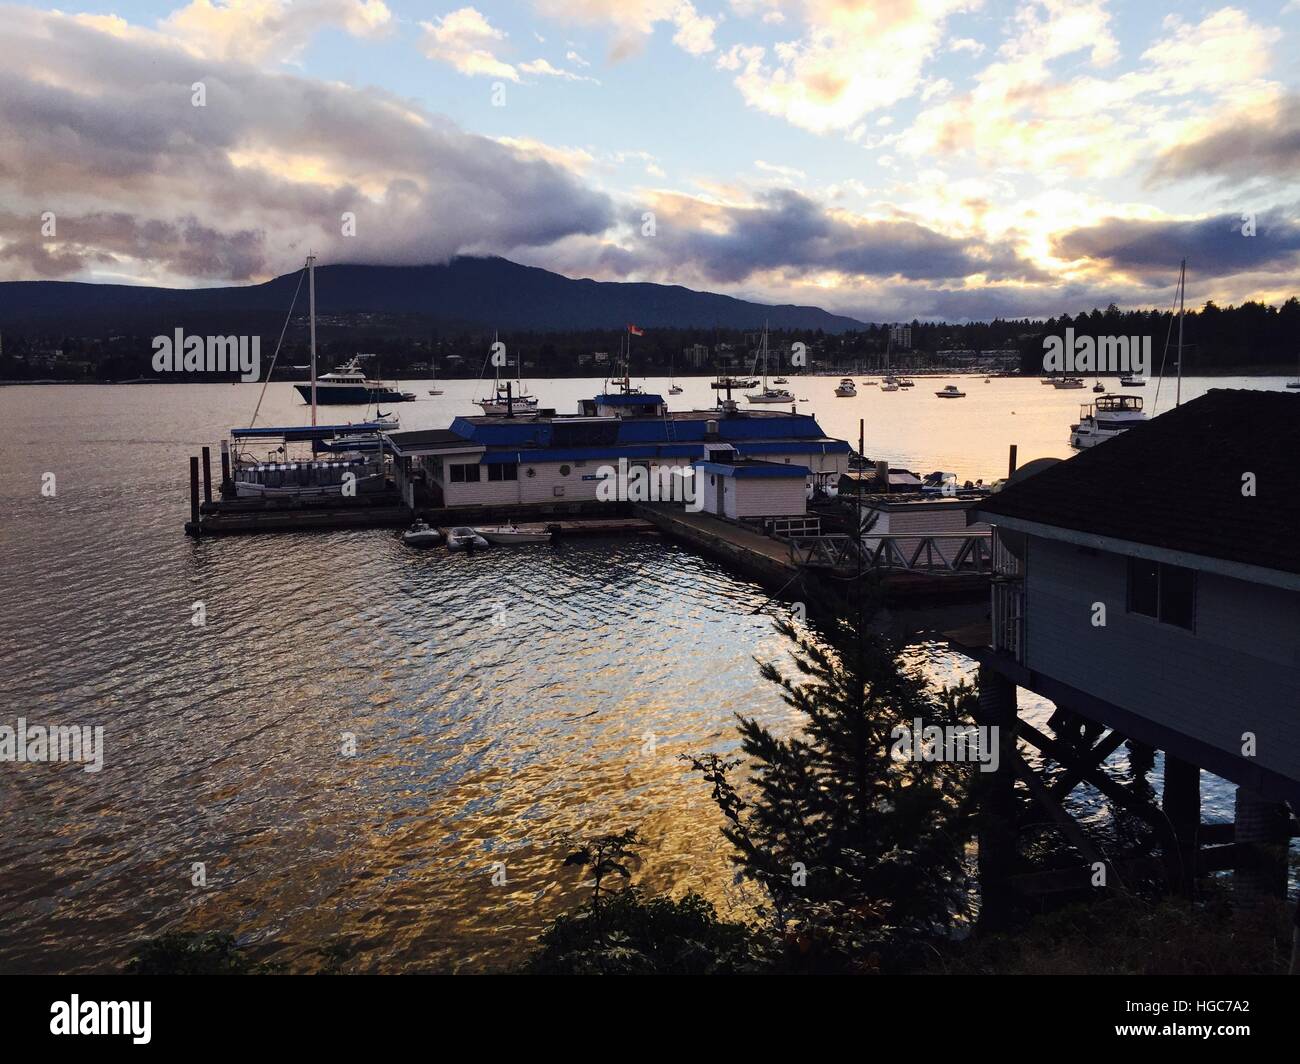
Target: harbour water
pixel 500 704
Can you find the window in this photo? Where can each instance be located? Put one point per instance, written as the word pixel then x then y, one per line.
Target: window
pixel 465 473
pixel 565 471
pixel 1165 592
pixel 504 471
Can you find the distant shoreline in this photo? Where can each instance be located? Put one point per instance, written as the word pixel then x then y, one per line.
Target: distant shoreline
pixel 1251 371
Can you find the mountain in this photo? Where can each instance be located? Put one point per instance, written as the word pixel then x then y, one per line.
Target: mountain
pixel 467 292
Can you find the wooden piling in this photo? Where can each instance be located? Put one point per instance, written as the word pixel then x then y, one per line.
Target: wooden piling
pixel 207 474
pixel 1181 803
pixel 194 496
pixel 1011 461
pixel 227 488
pixel 997 820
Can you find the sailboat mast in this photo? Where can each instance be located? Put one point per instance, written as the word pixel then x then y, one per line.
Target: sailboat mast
pixel 1182 295
pixel 311 304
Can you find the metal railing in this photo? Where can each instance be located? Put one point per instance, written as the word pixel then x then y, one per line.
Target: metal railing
pixel 950 552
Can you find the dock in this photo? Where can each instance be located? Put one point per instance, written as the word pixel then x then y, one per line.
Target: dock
pixel 919 575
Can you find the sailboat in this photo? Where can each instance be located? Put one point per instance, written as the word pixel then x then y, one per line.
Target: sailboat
pixel 768 394
pixel 354 462
pixel 673 387
pixel 1295 383
pixel 433 369
pixel 504 400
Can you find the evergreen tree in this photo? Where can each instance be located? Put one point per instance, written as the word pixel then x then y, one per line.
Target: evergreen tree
pixel 860 851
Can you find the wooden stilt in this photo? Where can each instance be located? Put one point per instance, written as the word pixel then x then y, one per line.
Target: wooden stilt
pixel 997 833
pixel 193 527
pixel 207 474
pixel 1181 802
pixel 1263 830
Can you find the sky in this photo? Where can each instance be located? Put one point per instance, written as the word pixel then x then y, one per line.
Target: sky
pixel 954 159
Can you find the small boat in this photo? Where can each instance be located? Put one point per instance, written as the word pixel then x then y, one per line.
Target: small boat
pixel 870 384
pixel 906 383
pixel 1099 387
pixel 779 380
pixel 466 539
pixel 1105 419
pixel 846 389
pixel 435 391
pixel 951 391
pixel 1068 382
pixel 433 367
pixel 771 395
pixel 421 534
pixel 987 381
pixel 349 385
pixel 739 383
pixel 513 534
pixel 1129 380
pixel 675 390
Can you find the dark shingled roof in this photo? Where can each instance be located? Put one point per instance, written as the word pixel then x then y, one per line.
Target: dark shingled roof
pixel 1176 482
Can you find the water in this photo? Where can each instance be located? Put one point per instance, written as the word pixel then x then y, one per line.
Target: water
pixel 500 704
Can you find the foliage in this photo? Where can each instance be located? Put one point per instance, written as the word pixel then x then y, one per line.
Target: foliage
pixel 182 953
pixel 633 933
pixel 859 852
pixel 1123 934
pixel 605 854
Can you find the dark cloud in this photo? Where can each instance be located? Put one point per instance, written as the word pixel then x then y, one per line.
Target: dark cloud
pixel 789 232
pixel 1214 247
pixel 101 128
pixel 1261 145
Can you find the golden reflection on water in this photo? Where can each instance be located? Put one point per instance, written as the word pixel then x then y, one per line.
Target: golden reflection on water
pixel 503 705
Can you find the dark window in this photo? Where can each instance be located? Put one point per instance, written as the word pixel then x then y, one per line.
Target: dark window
pixel 1143 587
pixel 1165 592
pixel 1178 596
pixel 464 473
pixel 504 471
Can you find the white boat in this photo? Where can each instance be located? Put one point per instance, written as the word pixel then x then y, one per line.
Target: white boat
pixel 466 539
pixel 433 367
pixel 513 534
pixel 421 534
pixel 1105 419
pixel 673 387
pixel 1131 381
pixel 951 391
pixel 846 389
pixel 905 383
pixel 506 399
pixel 889 386
pixel 348 385
pixel 675 390
pixel 1068 382
pixel 779 380
pixel 768 394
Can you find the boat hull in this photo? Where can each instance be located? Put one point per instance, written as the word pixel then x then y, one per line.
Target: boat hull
pixel 352 395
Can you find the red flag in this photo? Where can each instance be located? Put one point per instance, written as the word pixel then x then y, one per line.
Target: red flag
pixel 634 330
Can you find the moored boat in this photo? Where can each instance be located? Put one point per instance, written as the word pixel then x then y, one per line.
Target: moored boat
pixel 846 388
pixel 507 535
pixel 463 538
pixel 1105 419
pixel 950 391
pixel 422 534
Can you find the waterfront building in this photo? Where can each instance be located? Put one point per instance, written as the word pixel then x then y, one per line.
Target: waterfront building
pixel 1152 586
pixel 548 457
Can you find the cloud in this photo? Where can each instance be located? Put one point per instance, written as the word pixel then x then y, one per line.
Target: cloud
pixel 781 230
pixel 1263 142
pixel 852 59
pixel 542 67
pixel 632 21
pixel 1023 114
pixel 100 129
pixel 254 30
pixel 1215 247
pixel 466 41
